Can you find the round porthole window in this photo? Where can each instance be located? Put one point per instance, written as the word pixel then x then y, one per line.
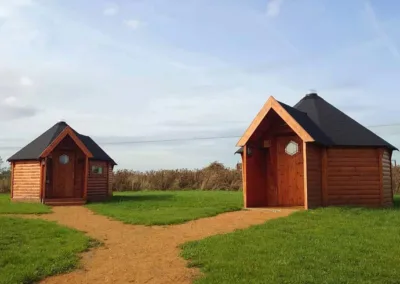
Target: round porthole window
pixel 64 159
pixel 292 148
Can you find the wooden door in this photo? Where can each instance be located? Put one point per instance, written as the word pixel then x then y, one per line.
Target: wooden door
pixel 290 171
pixel 63 174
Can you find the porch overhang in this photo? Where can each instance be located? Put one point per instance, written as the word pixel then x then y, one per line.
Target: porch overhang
pixel 273 104
pixel 67 131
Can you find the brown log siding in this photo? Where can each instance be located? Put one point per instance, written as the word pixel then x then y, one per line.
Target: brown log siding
pixel 97 187
pixel 314 175
pixel 110 179
pixel 387 180
pixel 353 177
pixel 26 180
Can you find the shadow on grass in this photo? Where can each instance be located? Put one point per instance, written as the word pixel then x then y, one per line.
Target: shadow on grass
pixel 395 207
pixel 138 198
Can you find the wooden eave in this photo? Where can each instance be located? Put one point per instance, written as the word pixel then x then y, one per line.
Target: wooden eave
pixel 60 137
pixel 273 104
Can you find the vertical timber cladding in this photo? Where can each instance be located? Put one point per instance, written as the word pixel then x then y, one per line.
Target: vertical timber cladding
pixel 353 177
pixel 97 184
pixel 314 175
pixel 26 182
pixel 387 179
pixel 255 177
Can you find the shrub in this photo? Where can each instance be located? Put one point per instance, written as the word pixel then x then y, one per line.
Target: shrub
pixel 213 177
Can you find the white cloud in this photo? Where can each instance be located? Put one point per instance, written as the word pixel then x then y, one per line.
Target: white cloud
pixel 111 10
pixel 274 8
pixel 373 19
pixel 26 81
pixel 8 7
pixel 10 100
pixel 133 24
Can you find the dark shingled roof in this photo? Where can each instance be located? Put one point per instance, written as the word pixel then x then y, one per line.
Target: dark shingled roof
pixel 33 150
pixel 331 127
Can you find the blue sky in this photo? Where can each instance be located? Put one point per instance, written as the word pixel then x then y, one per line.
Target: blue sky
pixel 167 69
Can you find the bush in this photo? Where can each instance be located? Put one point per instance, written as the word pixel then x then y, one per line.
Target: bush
pixel 5 181
pixel 5 178
pixel 213 177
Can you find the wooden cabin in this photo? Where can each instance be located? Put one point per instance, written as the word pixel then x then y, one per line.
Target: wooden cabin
pixel 59 167
pixel 313 155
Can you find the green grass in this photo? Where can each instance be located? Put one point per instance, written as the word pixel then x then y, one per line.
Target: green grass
pixel 328 245
pixel 169 207
pixel 33 249
pixel 9 207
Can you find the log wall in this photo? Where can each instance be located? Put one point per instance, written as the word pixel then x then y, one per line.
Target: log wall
pixel 314 175
pixel 97 185
pixel 110 179
pixel 353 177
pixel 387 179
pixel 26 180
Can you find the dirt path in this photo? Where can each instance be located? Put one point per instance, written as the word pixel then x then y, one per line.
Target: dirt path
pixel 140 254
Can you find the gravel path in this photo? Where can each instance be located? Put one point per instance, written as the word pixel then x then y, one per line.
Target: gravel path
pixel 143 254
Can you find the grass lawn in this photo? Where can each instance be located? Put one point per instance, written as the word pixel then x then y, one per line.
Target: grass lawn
pixel 33 249
pixel 9 207
pixel 328 245
pixel 169 207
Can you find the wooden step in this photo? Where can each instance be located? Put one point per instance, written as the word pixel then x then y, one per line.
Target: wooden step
pixel 64 201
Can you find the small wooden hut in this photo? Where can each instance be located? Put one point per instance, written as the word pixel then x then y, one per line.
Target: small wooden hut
pixel 59 167
pixel 313 155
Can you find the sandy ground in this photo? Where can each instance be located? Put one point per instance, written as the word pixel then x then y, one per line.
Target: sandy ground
pixel 143 254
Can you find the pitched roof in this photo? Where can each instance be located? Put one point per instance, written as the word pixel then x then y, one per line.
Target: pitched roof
pixel 337 128
pixel 34 149
pixel 327 125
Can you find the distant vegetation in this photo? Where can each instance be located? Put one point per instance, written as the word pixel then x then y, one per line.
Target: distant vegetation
pixel 213 177
pixel 4 177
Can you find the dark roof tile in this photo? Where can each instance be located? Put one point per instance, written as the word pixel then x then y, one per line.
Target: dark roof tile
pixel 330 126
pixel 34 149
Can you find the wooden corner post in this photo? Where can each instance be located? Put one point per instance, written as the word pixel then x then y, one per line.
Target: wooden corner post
pixel 43 173
pixel 305 175
pixel 244 172
pixel 12 179
pixel 85 184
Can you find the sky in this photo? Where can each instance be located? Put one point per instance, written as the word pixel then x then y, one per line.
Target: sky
pixel 136 70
